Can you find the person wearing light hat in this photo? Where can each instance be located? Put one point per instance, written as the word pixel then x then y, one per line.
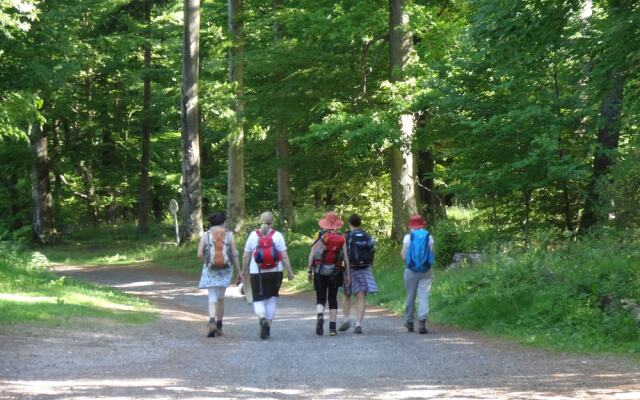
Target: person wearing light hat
pixel 418 255
pixel 265 279
pixel 327 255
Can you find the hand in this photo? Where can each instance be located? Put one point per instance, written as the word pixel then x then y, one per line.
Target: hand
pixel 310 276
pixel 289 275
pixel 347 280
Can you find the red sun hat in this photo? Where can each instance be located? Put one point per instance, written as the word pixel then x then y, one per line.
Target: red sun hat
pixel 330 221
pixel 416 222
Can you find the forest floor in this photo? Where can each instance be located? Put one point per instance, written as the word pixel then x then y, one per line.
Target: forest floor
pixel 172 358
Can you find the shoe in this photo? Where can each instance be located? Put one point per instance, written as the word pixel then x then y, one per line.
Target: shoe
pixel 319 325
pixel 264 328
pixel 358 329
pixel 219 328
pixel 332 329
pixel 423 327
pixel 213 328
pixel 409 326
pixel 345 326
pixel 268 331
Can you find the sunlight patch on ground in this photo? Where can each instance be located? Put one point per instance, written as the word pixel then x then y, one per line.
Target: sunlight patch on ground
pixel 25 298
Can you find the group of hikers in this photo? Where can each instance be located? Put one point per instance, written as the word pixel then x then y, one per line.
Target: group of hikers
pixel 335 260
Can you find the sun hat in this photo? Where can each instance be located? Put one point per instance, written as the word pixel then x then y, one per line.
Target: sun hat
pixel 416 222
pixel 330 221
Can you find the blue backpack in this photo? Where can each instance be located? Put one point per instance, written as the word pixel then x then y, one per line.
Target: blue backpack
pixel 419 257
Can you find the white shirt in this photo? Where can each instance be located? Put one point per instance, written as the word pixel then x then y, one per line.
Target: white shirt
pixel 252 243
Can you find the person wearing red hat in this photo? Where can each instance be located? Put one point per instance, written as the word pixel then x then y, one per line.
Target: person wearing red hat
pixel 325 260
pixel 418 255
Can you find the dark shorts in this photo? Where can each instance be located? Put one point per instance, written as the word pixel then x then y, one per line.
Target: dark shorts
pixel 266 285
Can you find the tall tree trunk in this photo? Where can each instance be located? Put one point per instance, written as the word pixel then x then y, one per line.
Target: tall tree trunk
pixel 285 199
pixel 607 144
pixel 235 177
pixel 143 199
pixel 403 196
pixel 42 218
pixel 89 194
pixel 57 178
pixel 191 184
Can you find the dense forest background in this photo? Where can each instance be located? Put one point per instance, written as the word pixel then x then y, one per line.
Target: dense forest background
pixel 526 112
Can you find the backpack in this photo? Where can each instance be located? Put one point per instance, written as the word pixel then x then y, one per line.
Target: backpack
pixel 216 249
pixel 266 254
pixel 419 257
pixel 360 248
pixel 328 257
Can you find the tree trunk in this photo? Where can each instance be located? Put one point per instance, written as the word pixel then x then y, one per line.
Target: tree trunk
pixel 42 218
pixel 403 196
pixel 57 186
pixel 191 184
pixel 235 179
pixel 143 199
pixel 89 194
pixel 285 199
pixel 607 144
pixel 433 202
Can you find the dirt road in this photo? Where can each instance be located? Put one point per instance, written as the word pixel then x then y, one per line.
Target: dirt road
pixel 172 358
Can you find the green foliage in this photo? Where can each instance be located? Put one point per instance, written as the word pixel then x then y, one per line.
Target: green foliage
pixel 569 296
pixel 29 293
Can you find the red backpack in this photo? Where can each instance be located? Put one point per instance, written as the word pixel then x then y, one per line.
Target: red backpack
pixel 266 254
pixel 330 253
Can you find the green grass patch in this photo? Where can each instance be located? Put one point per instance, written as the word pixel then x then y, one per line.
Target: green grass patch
pixel 30 293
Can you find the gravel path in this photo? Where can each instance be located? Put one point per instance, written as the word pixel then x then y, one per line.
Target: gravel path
pixel 172 358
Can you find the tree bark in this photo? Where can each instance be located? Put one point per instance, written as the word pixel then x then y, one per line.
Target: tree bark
pixel 89 192
pixel 285 199
pixel 402 162
pixel 433 202
pixel 191 183
pixel 143 198
pixel 42 218
pixel 235 176
pixel 607 144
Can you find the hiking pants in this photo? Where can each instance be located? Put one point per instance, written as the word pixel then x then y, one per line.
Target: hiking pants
pixel 417 283
pixel 327 285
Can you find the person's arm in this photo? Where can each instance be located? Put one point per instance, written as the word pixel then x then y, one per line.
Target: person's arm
pixel 403 252
pixel 310 261
pixel 201 246
pixel 246 259
pixel 347 276
pixel 287 264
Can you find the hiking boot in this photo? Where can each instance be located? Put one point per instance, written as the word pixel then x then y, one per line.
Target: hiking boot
pixel 422 327
pixel 409 326
pixel 268 331
pixel 213 329
pixel 358 329
pixel 219 328
pixel 319 325
pixel 332 329
pixel 345 326
pixel 264 328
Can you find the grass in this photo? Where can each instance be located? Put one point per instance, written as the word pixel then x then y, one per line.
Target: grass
pixel 30 293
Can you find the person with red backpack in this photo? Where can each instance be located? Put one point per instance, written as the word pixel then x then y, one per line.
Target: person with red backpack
pixel 218 250
pixel 265 254
pixel 419 257
pixel 328 254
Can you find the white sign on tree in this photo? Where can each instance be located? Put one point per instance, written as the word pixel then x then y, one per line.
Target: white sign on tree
pixel 173 207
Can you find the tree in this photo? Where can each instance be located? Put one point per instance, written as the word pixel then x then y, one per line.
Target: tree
pixel 402 163
pixel 144 200
pixel 191 185
pixel 235 177
pixel 42 224
pixel 285 200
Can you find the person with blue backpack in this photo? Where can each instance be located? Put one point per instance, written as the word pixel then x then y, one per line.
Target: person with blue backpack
pixel 419 257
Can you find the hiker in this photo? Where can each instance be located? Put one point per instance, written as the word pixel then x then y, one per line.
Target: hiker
pixel 325 264
pixel 264 255
pixel 218 250
pixel 360 250
pixel 418 255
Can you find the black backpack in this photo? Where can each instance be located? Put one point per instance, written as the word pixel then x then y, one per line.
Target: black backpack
pixel 361 249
